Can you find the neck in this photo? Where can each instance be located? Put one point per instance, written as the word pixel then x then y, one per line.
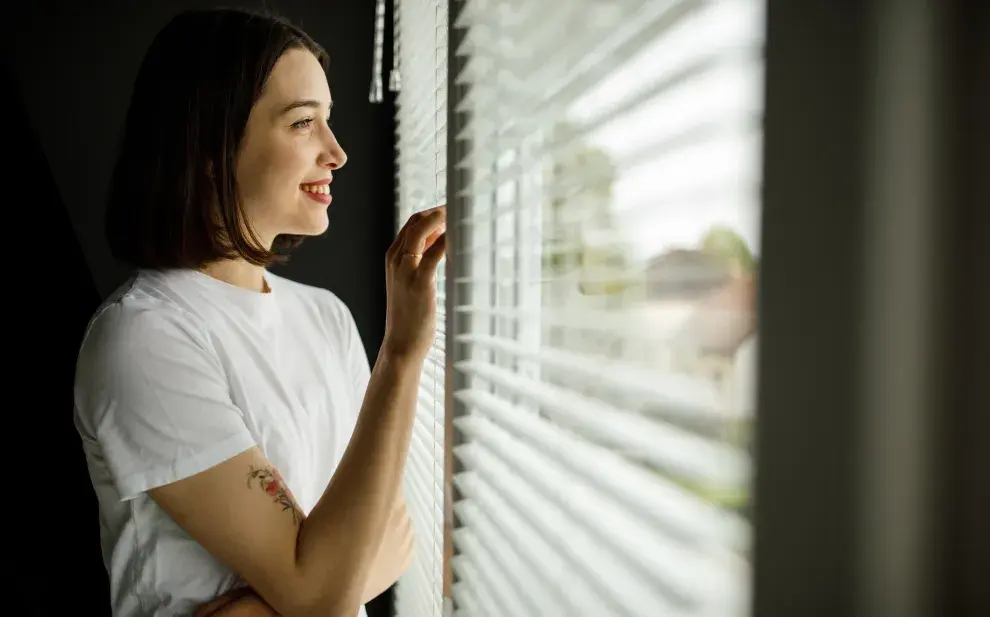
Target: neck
pixel 239 273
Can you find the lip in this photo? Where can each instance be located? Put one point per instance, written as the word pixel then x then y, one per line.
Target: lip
pixel 318 197
pixel 317 182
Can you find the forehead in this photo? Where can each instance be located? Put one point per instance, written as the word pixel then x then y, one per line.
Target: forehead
pixel 297 75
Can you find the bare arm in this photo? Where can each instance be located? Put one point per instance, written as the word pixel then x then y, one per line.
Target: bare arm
pixel 367 481
pixel 394 555
pixel 242 513
pixel 393 558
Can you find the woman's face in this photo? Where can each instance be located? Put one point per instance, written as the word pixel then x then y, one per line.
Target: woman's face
pixel 288 153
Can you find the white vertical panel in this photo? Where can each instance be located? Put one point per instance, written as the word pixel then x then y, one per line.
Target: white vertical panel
pixel 421 26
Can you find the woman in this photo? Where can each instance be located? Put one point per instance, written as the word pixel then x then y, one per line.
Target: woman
pixel 238 443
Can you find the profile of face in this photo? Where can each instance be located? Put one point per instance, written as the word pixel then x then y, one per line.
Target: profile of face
pixel 288 153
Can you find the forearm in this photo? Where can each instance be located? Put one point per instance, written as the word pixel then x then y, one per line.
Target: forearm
pixel 395 553
pixel 338 542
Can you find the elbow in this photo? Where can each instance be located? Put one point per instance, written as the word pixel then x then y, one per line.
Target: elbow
pixel 323 608
pixel 330 599
pixel 404 566
pixel 338 608
pixel 339 588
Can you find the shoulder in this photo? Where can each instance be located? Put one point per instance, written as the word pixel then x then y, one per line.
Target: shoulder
pixel 132 329
pixel 133 318
pixel 139 352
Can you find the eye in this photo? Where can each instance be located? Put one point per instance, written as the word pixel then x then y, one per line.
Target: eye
pixel 302 124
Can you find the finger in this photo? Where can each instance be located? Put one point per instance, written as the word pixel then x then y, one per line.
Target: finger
pixel 433 255
pixel 427 211
pixel 429 223
pixel 417 232
pixel 214 606
pixel 414 217
pixel 399 251
pixel 430 240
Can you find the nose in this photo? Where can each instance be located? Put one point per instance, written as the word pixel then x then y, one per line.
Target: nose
pixel 332 156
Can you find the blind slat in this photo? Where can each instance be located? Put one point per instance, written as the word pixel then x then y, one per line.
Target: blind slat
pixel 467 572
pixel 569 582
pixel 655 497
pixel 574 66
pixel 684 572
pixel 603 323
pixel 540 594
pixel 494 572
pixel 614 582
pixel 681 393
pixel 666 446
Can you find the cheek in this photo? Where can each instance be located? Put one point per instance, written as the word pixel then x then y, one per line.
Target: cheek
pixel 270 173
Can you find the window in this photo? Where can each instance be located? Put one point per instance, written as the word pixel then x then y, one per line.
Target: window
pixel 602 287
pixel 600 335
pixel 421 33
pixel 599 303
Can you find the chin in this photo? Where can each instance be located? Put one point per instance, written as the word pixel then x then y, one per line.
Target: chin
pixel 309 221
pixel 317 225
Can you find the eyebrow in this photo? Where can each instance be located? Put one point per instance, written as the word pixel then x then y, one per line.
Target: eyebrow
pixel 304 103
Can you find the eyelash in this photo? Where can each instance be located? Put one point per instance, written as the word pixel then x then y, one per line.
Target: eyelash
pixel 305 122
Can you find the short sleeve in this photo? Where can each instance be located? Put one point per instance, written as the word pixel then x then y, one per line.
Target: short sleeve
pixel 152 393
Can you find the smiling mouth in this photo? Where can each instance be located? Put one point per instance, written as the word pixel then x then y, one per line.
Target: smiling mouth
pixel 318 189
pixel 320 193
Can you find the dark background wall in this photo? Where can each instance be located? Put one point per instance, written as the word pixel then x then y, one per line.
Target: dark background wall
pixel 68 69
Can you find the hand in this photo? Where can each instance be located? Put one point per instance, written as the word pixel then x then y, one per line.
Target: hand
pixel 243 602
pixel 410 283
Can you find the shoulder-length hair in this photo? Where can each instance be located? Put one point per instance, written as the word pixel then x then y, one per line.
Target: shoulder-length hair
pixel 173 198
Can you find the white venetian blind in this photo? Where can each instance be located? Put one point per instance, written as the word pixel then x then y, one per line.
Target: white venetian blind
pixel 421 31
pixel 604 305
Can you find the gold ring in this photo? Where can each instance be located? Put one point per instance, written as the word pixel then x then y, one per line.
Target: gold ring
pixel 412 254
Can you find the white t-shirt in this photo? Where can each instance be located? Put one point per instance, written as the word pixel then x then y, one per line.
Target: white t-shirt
pixel 179 372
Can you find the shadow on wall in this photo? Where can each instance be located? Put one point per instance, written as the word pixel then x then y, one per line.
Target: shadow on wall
pixel 57 565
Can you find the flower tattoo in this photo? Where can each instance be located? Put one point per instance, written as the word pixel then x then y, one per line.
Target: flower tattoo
pixel 270 481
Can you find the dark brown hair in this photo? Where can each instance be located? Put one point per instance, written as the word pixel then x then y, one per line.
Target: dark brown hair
pixel 173 199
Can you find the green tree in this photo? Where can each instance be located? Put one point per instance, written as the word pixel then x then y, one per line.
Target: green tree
pixel 729 245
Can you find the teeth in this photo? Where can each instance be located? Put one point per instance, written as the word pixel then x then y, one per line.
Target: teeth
pixel 320 189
